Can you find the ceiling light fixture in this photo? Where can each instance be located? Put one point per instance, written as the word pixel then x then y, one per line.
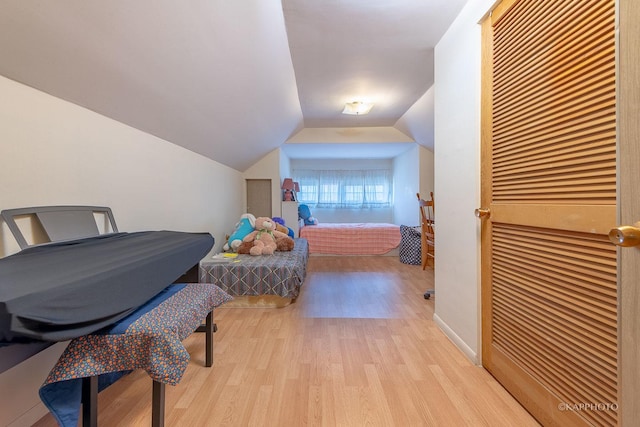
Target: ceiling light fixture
pixel 357 108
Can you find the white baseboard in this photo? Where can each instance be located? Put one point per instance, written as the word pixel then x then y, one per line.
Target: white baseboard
pixel 466 350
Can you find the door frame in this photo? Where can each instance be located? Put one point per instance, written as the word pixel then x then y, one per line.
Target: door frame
pixel 628 209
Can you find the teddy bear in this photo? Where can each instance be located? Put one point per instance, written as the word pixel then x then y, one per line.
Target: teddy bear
pixel 263 237
pixel 245 226
pixel 244 248
pixel 281 226
pixel 285 230
pixel 283 244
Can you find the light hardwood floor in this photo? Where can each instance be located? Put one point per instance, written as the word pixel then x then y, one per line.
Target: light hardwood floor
pixel 357 348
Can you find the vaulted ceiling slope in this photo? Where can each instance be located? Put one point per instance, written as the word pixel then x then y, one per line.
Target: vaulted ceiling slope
pixel 217 77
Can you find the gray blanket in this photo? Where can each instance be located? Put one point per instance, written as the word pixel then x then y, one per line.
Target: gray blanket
pixel 279 274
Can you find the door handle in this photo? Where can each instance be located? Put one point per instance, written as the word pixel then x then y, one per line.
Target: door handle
pixel 482 213
pixel 625 235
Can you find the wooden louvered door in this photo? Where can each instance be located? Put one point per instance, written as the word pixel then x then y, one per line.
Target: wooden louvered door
pixel 549 182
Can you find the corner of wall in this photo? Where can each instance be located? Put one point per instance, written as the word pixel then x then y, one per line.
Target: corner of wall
pixel 459 342
pixel 427 170
pixel 457 177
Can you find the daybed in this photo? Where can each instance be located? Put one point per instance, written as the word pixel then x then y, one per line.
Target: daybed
pixel 352 238
pixel 263 280
pixel 111 294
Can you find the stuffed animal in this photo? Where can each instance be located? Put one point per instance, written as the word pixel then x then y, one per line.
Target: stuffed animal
pixel 281 226
pixel 245 248
pixel 245 226
pixel 305 214
pixel 263 237
pixel 284 243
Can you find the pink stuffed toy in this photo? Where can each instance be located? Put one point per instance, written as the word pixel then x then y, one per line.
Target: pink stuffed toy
pixel 263 237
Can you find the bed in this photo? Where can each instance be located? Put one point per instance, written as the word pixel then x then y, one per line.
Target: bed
pixel 264 280
pixel 352 238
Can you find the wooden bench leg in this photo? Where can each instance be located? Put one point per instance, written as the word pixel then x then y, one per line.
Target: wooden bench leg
pixel 209 328
pixel 157 405
pixel 90 385
pixel 90 401
pixel 209 340
pixel 157 414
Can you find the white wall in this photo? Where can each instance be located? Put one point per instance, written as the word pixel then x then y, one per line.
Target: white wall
pixel 418 120
pixel 413 173
pixel 55 153
pixel 406 170
pixel 457 178
pixel 285 165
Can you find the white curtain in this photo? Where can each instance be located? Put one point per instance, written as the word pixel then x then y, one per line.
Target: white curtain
pixel 352 189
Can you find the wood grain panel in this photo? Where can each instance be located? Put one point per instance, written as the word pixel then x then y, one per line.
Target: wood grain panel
pixel 554 115
pixel 555 311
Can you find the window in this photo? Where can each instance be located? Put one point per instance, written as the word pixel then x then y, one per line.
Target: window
pixel 353 189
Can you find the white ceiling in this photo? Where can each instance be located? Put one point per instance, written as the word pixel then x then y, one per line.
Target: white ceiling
pixel 233 80
pixel 378 51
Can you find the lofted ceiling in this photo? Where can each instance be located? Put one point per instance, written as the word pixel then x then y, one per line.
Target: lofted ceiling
pixel 233 80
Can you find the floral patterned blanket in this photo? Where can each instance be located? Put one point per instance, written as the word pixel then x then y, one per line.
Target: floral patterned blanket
pixel 149 339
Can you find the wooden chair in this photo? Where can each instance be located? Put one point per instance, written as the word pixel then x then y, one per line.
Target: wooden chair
pixel 427 223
